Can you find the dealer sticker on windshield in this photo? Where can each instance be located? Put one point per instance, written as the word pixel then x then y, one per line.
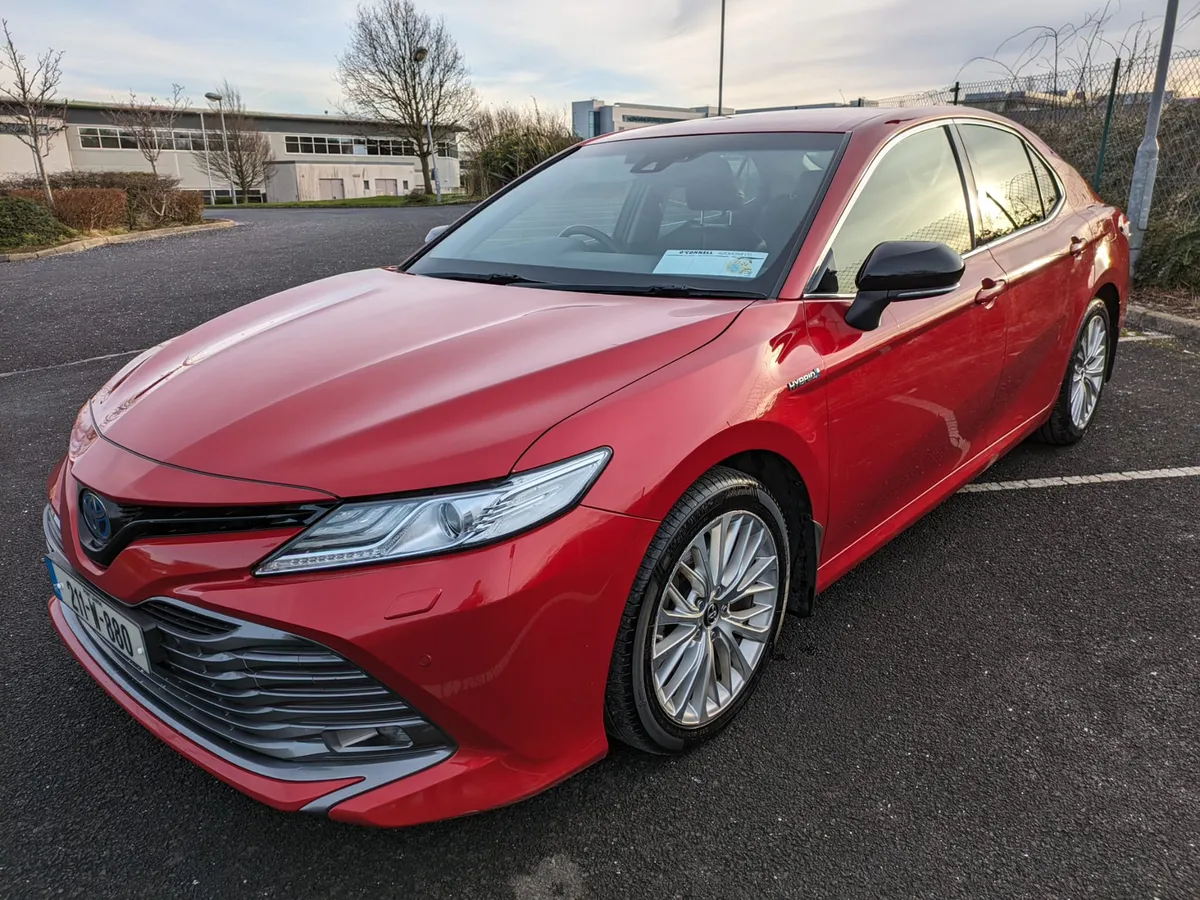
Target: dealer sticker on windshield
pixel 722 263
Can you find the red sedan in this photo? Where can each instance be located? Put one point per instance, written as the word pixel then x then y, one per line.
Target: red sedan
pixel 414 542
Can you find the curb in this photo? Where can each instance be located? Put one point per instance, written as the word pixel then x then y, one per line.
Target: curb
pixel 1142 318
pixel 130 238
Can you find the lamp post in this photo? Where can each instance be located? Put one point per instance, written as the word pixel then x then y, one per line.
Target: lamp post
pixel 419 56
pixel 220 101
pixel 721 64
pixel 212 194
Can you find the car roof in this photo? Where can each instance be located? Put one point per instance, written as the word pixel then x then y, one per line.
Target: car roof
pixel 840 119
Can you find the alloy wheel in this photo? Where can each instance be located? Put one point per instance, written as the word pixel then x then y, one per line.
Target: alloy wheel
pixel 714 618
pixel 1087 372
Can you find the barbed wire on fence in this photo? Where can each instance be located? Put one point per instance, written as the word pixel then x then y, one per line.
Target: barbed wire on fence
pixel 1095 118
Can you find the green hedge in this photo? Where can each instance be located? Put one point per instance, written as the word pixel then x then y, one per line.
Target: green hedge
pixel 24 223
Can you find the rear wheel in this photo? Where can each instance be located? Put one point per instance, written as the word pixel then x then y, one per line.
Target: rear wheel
pixel 1079 396
pixel 701 620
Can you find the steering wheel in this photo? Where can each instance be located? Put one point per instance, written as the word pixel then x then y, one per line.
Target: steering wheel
pixel 594 233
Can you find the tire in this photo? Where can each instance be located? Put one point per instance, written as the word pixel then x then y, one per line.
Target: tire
pixel 1065 426
pixel 637 712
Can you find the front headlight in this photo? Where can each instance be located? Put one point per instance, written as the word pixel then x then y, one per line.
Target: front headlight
pixel 384 530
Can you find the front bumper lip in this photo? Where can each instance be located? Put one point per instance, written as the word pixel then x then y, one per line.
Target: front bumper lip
pixel 352 778
pixel 290 795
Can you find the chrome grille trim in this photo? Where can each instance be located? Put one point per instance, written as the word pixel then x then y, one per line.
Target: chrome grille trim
pixel 240 682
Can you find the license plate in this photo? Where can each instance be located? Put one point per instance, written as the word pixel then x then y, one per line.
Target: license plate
pixel 116 630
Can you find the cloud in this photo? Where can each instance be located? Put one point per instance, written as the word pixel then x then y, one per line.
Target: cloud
pixel 282 53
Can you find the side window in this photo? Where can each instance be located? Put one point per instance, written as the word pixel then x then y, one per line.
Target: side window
pixel 1046 183
pixel 916 193
pixel 1004 181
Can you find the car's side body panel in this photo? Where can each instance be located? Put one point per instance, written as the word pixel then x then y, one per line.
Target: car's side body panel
pixel 728 397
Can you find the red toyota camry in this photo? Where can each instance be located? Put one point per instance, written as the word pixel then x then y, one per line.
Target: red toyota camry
pixel 414 542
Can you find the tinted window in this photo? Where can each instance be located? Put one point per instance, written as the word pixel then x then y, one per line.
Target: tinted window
pixel 1004 181
pixel 915 193
pixel 1046 183
pixel 715 210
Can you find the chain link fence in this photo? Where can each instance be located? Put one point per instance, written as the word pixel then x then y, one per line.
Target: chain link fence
pixel 1095 118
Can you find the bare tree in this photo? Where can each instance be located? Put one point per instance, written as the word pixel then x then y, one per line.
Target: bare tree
pixel 151 123
pixel 31 95
pixel 386 79
pixel 247 161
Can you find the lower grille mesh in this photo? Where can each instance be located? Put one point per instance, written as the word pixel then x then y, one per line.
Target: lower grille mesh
pixel 271 692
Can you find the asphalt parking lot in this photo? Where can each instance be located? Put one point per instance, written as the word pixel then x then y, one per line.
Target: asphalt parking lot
pixel 1004 702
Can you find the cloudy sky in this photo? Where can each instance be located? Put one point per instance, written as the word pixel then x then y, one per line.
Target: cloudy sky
pixel 282 53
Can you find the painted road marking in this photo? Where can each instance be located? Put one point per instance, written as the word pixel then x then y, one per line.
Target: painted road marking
pixel 75 362
pixel 1105 478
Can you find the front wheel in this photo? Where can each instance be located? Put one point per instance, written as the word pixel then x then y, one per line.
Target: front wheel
pixel 703 615
pixel 1079 396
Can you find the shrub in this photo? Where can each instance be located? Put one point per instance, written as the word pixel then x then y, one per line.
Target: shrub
pixel 84 209
pixel 25 223
pixel 146 192
pixel 1171 254
pixel 505 143
pixel 419 197
pixel 184 208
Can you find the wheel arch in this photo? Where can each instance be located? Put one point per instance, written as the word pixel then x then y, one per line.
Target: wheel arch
pixel 1111 296
pixel 783 480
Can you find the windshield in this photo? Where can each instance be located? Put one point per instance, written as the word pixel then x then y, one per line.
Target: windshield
pixel 717 212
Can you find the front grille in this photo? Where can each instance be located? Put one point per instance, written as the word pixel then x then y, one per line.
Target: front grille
pixel 184 619
pixel 269 692
pixel 125 522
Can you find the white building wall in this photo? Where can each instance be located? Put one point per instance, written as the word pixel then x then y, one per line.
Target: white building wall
pixel 16 158
pixel 296 175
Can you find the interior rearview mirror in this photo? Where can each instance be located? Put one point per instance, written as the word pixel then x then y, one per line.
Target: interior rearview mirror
pixel 902 270
pixel 434 232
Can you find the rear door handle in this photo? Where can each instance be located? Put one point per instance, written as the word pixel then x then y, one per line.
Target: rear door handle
pixel 990 290
pixel 1077 245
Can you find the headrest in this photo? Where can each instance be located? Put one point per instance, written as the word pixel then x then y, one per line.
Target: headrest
pixel 709 184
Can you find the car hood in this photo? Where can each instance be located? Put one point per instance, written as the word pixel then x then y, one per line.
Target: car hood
pixel 377 381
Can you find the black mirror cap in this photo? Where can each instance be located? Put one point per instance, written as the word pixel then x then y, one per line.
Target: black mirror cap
pixel 910 267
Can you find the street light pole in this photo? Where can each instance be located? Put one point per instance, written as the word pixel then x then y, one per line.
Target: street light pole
pixel 220 101
pixel 212 194
pixel 721 67
pixel 1145 166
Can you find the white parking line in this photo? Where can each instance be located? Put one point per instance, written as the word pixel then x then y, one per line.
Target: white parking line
pixel 75 362
pixel 1106 478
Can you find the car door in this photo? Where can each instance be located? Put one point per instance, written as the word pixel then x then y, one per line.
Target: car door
pixel 1025 227
pixel 909 402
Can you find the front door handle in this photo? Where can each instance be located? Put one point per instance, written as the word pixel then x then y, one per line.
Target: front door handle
pixel 991 289
pixel 1077 245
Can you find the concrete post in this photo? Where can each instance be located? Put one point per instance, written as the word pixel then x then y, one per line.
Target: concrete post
pixel 1141 190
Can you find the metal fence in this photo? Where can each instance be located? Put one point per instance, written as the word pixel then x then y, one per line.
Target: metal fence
pixel 1096 117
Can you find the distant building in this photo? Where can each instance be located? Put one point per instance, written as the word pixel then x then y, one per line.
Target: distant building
pixel 590 118
pixel 316 157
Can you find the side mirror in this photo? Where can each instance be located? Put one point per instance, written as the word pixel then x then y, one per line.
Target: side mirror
pixel 435 232
pixel 902 270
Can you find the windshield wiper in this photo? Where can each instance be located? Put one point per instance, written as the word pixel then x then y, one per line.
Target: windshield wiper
pixel 489 278
pixel 657 290
pixel 632 290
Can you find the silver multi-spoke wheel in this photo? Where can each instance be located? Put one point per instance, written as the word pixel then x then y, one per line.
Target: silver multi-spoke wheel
pixel 1087 371
pixel 713 620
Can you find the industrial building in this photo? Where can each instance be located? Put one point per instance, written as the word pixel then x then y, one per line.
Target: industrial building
pixel 590 118
pixel 315 157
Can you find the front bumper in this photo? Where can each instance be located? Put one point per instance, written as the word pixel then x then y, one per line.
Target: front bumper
pixel 505 650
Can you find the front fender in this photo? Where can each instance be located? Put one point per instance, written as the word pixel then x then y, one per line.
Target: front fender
pixel 729 397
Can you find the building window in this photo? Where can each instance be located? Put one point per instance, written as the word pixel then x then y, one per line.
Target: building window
pixel 447 149
pixel 125 139
pixel 333 145
pixel 366 184
pixel 650 120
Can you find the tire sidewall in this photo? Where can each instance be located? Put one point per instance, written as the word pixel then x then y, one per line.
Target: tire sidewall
pixel 750 497
pixel 1094 309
